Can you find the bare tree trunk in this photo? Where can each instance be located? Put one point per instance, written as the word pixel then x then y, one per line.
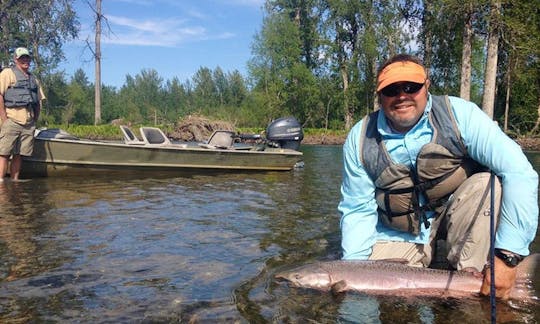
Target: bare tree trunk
pixel 465 88
pixel 327 113
pixel 375 97
pixel 36 56
pixel 537 124
pixel 348 112
pixel 33 44
pixel 507 99
pixel 426 22
pixel 97 57
pixel 490 82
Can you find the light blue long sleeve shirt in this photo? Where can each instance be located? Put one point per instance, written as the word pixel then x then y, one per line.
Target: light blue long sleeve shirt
pixel 486 143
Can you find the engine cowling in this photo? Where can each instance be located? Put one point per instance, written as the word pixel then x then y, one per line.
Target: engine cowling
pixel 285 132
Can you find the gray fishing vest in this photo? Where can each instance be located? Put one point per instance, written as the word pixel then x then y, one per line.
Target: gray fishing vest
pixel 441 166
pixel 24 93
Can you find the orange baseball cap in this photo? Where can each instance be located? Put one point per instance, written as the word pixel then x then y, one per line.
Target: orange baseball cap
pixel 399 72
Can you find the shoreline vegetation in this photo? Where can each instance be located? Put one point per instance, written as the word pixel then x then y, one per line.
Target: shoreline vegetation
pixel 198 128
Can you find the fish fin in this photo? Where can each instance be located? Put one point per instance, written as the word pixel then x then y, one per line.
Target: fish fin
pixel 477 274
pixel 339 287
pixel 394 260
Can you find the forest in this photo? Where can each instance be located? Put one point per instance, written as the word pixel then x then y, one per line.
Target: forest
pixel 312 59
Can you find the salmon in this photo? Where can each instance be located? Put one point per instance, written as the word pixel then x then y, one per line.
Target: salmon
pixel 383 277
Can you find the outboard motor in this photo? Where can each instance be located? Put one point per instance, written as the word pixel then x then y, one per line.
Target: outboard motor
pixel 285 132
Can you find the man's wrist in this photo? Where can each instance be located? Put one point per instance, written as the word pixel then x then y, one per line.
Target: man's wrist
pixel 511 259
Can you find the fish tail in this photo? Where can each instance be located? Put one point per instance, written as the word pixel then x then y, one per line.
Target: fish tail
pixel 527 268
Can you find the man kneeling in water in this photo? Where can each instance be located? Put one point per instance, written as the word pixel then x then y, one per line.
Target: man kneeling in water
pixel 415 172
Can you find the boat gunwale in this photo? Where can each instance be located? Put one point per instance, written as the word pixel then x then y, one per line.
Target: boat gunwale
pixel 173 146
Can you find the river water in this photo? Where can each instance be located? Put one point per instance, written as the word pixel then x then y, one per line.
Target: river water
pixel 200 249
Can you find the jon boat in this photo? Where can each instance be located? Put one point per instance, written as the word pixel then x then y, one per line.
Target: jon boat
pixel 57 152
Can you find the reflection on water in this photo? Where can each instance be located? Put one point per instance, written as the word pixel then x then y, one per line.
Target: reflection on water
pixel 199 248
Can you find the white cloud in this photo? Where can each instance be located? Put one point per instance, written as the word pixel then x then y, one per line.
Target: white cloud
pixel 257 3
pixel 146 25
pixel 187 22
pixel 138 2
pixel 197 14
pixel 167 32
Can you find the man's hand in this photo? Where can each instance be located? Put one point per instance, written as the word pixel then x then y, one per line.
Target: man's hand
pixel 3 114
pixel 505 277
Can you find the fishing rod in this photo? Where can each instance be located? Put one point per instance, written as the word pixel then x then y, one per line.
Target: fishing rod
pixel 492 250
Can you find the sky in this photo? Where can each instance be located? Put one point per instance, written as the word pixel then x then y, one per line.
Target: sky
pixel 173 37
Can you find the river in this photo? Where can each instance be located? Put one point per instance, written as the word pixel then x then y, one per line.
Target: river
pixel 200 249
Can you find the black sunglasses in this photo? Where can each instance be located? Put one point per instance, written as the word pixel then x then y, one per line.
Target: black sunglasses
pixel 396 88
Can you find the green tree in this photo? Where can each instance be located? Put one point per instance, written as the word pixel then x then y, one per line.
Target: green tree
pixel 314 59
pixel 57 98
pixel 148 94
pixel 111 103
pixel 238 88
pixel 443 49
pixel 221 86
pixel 518 95
pixel 43 26
pixel 305 15
pixel 283 57
pixel 130 110
pixel 359 34
pixel 177 99
pixel 205 91
pixel 79 107
pixel 8 31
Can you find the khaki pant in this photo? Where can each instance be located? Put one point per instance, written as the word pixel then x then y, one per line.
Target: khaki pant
pixel 460 234
pixel 16 139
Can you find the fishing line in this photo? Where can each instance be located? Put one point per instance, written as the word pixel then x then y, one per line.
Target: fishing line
pixel 492 250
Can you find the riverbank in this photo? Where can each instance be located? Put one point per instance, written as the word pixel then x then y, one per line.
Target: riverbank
pixel 197 128
pixel 526 143
pixel 324 139
pixel 529 143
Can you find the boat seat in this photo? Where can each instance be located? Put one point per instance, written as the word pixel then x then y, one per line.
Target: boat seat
pixel 220 139
pixel 48 133
pixel 154 136
pixel 129 136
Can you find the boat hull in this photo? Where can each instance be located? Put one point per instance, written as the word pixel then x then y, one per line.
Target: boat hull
pixel 65 156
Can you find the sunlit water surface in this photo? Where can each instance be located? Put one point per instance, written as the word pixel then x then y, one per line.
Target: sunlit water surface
pixel 201 248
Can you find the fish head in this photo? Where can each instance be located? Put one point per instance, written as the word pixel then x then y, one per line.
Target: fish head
pixel 308 276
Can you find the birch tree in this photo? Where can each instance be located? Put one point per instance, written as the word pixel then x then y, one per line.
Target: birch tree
pixel 97 59
pixel 490 77
pixel 466 56
pixel 343 27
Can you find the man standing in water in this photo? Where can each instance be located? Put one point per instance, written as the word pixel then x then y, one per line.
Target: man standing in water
pixel 415 174
pixel 20 105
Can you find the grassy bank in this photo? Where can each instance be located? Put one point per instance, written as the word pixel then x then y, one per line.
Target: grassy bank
pixel 311 135
pixel 112 132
